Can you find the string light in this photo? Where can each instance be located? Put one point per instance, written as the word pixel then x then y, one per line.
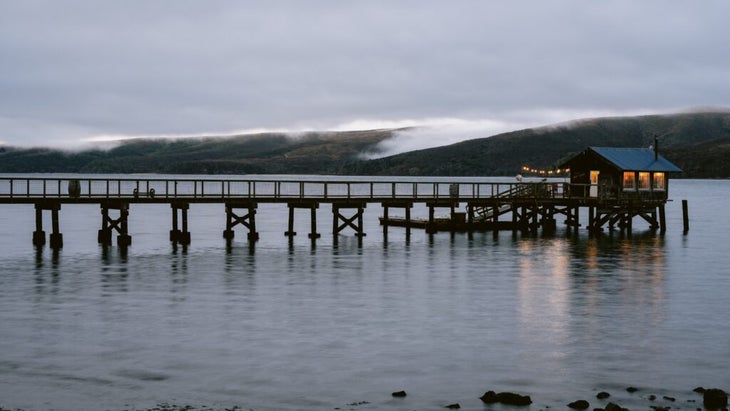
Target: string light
pixel 557 171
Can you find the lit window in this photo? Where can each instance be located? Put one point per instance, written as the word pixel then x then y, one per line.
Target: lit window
pixel 594 176
pixel 629 180
pixel 644 180
pixel 659 182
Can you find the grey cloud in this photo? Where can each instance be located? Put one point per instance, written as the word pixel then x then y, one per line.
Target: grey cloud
pixel 85 68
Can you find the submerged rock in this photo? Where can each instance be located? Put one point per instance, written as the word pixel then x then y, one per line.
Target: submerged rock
pixel 602 395
pixel 714 398
pixel 579 405
pixel 454 406
pixel 632 389
pixel 399 394
pixel 699 390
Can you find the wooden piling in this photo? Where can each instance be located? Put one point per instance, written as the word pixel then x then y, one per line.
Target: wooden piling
pixel 685 216
pixel 180 235
pixel 337 216
pixel 247 220
pixel 56 238
pixel 39 236
pixel 109 224
pixel 662 219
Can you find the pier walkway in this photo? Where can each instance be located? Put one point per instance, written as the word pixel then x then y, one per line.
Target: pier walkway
pixel 524 206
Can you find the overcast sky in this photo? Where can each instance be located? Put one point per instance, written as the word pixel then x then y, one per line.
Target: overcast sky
pixel 73 71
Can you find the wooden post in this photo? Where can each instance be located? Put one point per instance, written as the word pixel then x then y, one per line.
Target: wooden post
pixel 39 236
pixel 185 234
pixel 105 234
pixel 662 219
pixel 56 237
pixel 124 239
pixel 408 221
pixel 178 236
pixel 347 221
pixel 253 235
pixel 228 233
pixel 175 232
pixel 385 220
pixel 431 226
pixel 313 234
pixel 290 232
pixel 592 219
pixel 685 216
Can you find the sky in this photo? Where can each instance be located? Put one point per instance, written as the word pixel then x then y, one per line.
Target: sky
pixel 74 72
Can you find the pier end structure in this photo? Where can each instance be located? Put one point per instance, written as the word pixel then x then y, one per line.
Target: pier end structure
pixel 621 183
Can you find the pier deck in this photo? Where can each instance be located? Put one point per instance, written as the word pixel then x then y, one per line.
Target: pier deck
pixel 524 206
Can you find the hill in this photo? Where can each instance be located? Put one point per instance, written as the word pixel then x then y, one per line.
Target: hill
pixel 699 143
pixel 268 153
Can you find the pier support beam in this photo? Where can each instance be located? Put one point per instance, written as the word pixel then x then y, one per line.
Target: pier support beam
pixel 431 225
pixel 247 220
pixel 39 236
pixel 662 219
pixel 108 224
pixel 406 205
pixel 180 235
pixel 348 221
pixel 312 206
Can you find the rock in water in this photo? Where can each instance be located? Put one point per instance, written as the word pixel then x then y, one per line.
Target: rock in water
pixel 489 397
pixel 614 407
pixel 699 390
pixel 508 398
pixel 632 389
pixel 511 398
pixel 579 405
pixel 399 394
pixel 714 398
pixel 454 406
pixel 602 395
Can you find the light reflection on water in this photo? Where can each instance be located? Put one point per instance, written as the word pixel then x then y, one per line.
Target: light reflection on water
pixel 317 326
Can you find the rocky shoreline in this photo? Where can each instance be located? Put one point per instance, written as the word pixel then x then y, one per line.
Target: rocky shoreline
pixel 707 399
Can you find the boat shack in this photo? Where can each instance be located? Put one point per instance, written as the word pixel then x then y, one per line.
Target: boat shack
pixel 620 173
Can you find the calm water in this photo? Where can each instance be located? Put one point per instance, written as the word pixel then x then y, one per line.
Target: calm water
pixel 300 327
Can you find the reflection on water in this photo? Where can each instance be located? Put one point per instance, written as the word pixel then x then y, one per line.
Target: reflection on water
pixel 318 325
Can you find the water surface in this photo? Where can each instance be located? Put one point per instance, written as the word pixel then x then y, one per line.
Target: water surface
pixel 302 326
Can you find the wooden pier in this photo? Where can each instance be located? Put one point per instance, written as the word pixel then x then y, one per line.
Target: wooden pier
pixel 471 206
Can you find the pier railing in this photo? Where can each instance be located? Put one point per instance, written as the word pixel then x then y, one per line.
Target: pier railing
pixel 69 189
pixel 148 189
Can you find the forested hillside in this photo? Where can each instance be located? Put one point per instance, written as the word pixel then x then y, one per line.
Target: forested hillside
pixel 699 143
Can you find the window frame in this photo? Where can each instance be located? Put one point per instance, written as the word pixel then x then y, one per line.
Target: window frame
pixel 646 186
pixel 632 179
pixel 663 180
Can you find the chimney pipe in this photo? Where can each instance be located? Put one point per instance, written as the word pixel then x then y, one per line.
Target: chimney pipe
pixel 656 148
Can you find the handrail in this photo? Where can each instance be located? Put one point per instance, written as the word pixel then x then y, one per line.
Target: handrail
pixel 139 189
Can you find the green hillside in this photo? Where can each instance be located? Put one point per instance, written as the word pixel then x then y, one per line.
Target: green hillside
pixel 249 154
pixel 699 143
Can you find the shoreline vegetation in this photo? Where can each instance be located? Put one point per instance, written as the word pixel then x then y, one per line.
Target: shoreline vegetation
pixel 699 143
pixel 709 399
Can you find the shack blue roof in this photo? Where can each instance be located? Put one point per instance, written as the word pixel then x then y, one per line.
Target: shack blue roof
pixel 635 159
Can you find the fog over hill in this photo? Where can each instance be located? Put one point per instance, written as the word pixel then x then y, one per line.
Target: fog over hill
pixel 697 142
